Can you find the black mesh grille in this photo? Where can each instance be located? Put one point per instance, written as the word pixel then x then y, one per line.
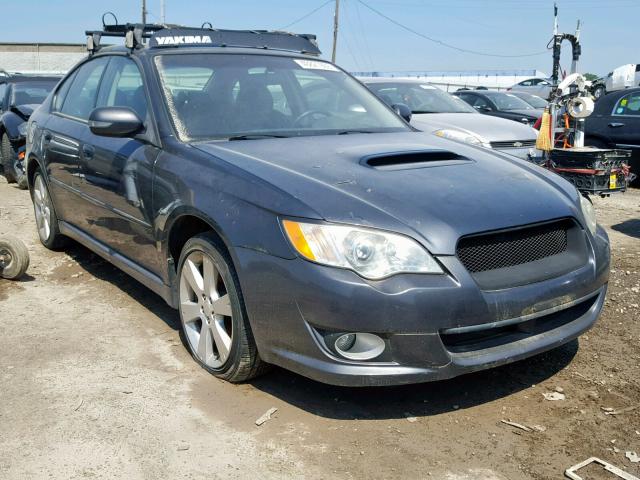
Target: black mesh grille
pixel 480 253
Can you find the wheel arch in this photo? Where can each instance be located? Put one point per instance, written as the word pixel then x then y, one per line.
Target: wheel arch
pixel 33 164
pixel 185 223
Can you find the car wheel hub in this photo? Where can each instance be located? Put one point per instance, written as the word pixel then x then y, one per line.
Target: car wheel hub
pixel 42 208
pixel 205 310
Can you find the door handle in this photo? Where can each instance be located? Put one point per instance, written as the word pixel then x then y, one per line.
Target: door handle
pixel 616 125
pixel 88 151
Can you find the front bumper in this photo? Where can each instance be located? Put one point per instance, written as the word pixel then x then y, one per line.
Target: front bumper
pixel 434 326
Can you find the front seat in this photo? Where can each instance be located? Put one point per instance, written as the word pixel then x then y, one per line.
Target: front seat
pixel 254 108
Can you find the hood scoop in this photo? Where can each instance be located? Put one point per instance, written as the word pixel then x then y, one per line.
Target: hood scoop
pixel 414 159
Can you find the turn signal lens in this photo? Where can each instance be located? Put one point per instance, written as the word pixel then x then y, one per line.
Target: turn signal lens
pixel 294 232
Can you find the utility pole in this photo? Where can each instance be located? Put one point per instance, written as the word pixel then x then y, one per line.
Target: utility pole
pixel 162 12
pixel 574 61
pixel 335 31
pixel 144 11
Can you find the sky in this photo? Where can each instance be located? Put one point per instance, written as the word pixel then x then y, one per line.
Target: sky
pixel 501 32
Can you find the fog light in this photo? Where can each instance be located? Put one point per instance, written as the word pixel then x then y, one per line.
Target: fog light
pixel 345 342
pixel 359 346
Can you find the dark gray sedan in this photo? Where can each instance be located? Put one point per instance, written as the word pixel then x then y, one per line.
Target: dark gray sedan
pixel 500 104
pixel 292 218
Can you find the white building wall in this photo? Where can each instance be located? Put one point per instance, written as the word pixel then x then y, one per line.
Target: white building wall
pixel 40 58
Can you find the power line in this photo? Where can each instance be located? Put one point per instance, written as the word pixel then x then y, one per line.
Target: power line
pixel 306 15
pixel 440 42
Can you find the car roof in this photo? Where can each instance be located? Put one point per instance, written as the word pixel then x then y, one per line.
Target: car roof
pixel 28 78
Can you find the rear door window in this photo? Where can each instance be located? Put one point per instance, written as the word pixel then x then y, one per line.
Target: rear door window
pixel 61 94
pixel 81 97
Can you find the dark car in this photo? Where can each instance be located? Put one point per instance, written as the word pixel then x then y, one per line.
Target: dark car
pixel 615 123
pixel 500 104
pixel 535 101
pixel 20 95
pixel 295 219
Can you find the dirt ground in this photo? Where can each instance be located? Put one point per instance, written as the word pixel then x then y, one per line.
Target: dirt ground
pixel 95 383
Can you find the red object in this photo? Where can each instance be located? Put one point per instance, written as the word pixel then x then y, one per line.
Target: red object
pixel 537 124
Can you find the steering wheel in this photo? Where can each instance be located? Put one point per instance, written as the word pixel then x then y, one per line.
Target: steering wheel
pixel 309 114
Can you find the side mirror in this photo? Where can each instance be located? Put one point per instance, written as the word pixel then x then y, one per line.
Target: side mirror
pixel 114 122
pixel 484 108
pixel 403 110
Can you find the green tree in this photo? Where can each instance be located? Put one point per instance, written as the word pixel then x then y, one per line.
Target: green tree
pixel 591 76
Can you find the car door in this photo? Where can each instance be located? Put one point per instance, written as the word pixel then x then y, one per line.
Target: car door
pixel 624 124
pixel 62 135
pixel 117 172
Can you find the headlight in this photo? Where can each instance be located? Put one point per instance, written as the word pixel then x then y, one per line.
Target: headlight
pixel 463 137
pixel 588 212
pixel 22 129
pixel 373 254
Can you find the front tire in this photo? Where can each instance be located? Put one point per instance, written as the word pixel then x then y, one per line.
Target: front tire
pixel 215 326
pixel 46 218
pixel 7 159
pixel 599 92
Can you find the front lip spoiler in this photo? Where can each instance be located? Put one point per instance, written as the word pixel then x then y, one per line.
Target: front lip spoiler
pixel 523 318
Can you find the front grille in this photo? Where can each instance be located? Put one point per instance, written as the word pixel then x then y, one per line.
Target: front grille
pixel 513 144
pixel 492 251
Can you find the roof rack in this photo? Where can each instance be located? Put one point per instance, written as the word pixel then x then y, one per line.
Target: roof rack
pixel 174 36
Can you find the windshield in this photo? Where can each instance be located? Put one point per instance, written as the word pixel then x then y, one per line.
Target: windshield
pixel 36 92
pixel 533 100
pixel 252 96
pixel 507 101
pixel 421 98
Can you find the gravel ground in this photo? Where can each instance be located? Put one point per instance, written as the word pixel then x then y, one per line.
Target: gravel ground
pixel 95 383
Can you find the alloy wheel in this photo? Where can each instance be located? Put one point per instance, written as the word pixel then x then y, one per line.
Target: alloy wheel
pixel 205 310
pixel 42 206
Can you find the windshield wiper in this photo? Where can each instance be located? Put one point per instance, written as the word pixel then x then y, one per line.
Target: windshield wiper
pixel 349 132
pixel 256 136
pixel 424 111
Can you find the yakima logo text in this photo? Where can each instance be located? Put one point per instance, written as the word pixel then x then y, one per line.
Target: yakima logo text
pixel 183 39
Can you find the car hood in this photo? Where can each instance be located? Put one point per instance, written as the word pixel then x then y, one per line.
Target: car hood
pixel 492 129
pixel 435 201
pixel 525 113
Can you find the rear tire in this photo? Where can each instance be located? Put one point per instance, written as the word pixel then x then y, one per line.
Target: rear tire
pixel 215 325
pixel 7 159
pixel 14 257
pixel 46 218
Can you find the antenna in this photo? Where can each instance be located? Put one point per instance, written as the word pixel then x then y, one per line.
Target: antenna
pixel 162 12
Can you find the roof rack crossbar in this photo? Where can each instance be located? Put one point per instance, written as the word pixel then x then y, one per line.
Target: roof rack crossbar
pixel 176 35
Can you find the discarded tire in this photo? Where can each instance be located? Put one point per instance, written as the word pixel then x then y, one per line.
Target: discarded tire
pixel 14 257
pixel 7 159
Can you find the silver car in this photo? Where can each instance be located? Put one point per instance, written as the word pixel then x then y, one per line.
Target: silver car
pixel 535 86
pixel 434 110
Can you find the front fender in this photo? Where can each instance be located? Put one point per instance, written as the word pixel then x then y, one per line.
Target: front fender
pixel 9 122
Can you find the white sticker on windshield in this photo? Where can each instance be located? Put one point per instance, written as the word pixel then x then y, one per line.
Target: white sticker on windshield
pixel 427 87
pixel 315 65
